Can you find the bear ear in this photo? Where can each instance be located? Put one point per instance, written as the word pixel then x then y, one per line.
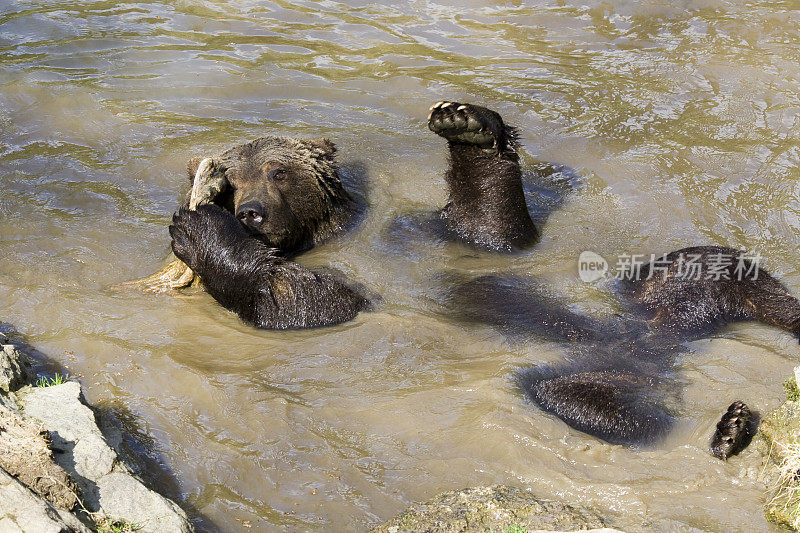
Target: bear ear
pixel 326 145
pixel 191 168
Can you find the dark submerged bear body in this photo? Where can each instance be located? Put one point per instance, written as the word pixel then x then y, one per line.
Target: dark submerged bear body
pixel 621 389
pixel 730 288
pixel 486 209
pixel 282 197
pixel 677 306
pixel 521 307
pixel 618 407
pixel 620 375
pixel 614 386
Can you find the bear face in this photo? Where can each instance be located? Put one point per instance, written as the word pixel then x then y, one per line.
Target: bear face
pixel 270 198
pixel 286 192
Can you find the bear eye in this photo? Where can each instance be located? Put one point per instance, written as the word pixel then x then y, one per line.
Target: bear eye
pixel 278 174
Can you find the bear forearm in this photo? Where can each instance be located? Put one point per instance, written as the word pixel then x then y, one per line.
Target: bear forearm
pixel 252 279
pixel 296 312
pixel 233 274
pixel 289 296
pixel 272 293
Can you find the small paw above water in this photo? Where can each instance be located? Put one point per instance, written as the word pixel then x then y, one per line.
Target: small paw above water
pixel 734 431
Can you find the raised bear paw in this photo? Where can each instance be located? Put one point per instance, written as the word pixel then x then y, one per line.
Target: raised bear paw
pixel 202 232
pixel 471 124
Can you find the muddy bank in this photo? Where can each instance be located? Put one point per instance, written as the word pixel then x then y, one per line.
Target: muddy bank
pixel 58 470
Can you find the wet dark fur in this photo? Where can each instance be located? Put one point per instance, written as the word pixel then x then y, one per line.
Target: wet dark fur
pixel 695 307
pixel 735 431
pixel 520 307
pixel 618 407
pixel 491 205
pixel 246 276
pixel 621 389
pixel 244 264
pixel 486 206
pixel 614 385
pixel 619 377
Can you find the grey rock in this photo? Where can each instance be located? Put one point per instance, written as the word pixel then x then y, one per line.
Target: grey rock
pixel 106 484
pixel 85 453
pixel 600 530
pixel 93 457
pixel 25 454
pixel 9 401
pixel 122 495
pixel 494 508
pixel 14 368
pixel 22 511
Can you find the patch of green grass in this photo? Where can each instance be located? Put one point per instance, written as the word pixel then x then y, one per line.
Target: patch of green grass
pixel 784 508
pixel 106 525
pixel 57 379
pixel 515 528
pixel 781 430
pixel 791 390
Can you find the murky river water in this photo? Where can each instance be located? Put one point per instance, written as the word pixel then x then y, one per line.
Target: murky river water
pixel 680 117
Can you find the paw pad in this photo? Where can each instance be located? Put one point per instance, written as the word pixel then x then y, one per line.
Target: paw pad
pixel 468 124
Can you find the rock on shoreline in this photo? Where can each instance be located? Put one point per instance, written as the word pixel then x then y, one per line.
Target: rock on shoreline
pixel 496 508
pixel 26 454
pixel 15 369
pixel 58 471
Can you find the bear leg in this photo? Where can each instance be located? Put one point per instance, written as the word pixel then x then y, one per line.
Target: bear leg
pixel 617 407
pixel 486 205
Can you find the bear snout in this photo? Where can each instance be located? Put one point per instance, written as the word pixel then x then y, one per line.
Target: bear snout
pixel 251 214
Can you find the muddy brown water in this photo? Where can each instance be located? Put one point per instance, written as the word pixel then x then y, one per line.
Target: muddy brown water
pixel 680 119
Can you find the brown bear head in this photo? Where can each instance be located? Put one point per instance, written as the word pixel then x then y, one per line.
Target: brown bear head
pixel 286 191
